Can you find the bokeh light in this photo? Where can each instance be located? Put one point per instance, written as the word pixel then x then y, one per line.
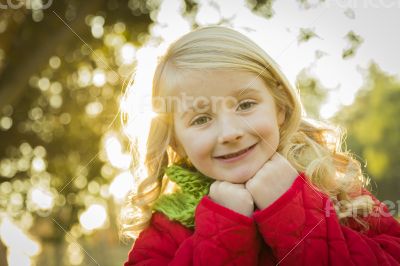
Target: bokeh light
pixel 128 52
pixel 99 78
pixel 42 198
pixel 94 217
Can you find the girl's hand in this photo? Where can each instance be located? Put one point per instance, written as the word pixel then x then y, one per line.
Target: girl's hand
pixel 272 180
pixel 232 196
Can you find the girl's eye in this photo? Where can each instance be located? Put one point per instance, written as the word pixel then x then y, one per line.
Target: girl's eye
pixel 199 121
pixel 246 105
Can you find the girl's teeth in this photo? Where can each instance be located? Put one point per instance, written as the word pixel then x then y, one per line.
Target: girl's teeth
pixel 234 154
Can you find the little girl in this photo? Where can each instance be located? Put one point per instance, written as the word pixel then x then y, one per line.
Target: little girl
pixel 255 183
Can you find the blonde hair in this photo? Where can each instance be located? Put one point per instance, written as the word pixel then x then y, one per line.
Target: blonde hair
pixel 312 148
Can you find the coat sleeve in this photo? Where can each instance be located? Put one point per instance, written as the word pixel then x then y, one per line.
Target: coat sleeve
pixel 221 237
pixel 302 228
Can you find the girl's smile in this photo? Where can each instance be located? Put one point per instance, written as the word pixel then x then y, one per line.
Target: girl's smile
pixel 229 140
pixel 236 156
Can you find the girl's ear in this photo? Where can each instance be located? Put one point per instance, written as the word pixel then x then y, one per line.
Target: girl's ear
pixel 281 116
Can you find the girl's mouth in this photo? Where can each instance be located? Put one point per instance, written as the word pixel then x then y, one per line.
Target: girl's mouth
pixel 237 155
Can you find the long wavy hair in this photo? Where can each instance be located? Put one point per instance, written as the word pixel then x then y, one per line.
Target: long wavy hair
pixel 310 146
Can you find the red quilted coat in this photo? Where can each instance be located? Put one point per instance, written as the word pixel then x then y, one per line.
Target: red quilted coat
pixel 299 228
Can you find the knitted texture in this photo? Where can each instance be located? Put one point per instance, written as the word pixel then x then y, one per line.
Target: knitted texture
pixel 181 205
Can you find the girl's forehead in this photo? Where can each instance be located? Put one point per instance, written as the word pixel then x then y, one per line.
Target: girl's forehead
pixel 208 83
pixel 182 81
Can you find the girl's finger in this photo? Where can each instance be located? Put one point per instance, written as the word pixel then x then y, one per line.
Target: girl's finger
pixel 276 156
pixel 214 186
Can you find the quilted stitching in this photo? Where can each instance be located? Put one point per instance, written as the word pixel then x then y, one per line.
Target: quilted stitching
pixel 295 227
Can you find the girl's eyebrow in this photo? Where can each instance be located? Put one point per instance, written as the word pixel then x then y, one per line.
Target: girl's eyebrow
pixel 244 91
pixel 186 112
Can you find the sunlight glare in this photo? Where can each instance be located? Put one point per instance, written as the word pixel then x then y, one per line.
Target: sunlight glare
pixel 19 245
pixel 328 110
pixel 121 185
pixel 170 24
pixel 207 14
pixel 346 98
pixel 128 52
pixel 115 154
pixel 137 101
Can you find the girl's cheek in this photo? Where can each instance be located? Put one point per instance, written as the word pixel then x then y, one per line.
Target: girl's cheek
pixel 262 127
pixel 201 148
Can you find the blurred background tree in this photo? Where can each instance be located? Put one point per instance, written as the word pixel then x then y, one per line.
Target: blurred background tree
pixel 64 160
pixel 373 130
pixel 312 94
pixel 62 72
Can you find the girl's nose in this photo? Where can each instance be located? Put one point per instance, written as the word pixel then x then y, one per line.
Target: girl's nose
pixel 229 132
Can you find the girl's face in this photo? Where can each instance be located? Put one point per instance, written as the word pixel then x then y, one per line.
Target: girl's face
pixel 227 135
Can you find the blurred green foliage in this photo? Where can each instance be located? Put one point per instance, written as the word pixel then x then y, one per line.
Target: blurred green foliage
pixel 313 95
pixel 373 130
pixel 354 42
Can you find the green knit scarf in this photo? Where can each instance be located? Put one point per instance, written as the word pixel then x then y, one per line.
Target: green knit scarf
pixel 180 206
